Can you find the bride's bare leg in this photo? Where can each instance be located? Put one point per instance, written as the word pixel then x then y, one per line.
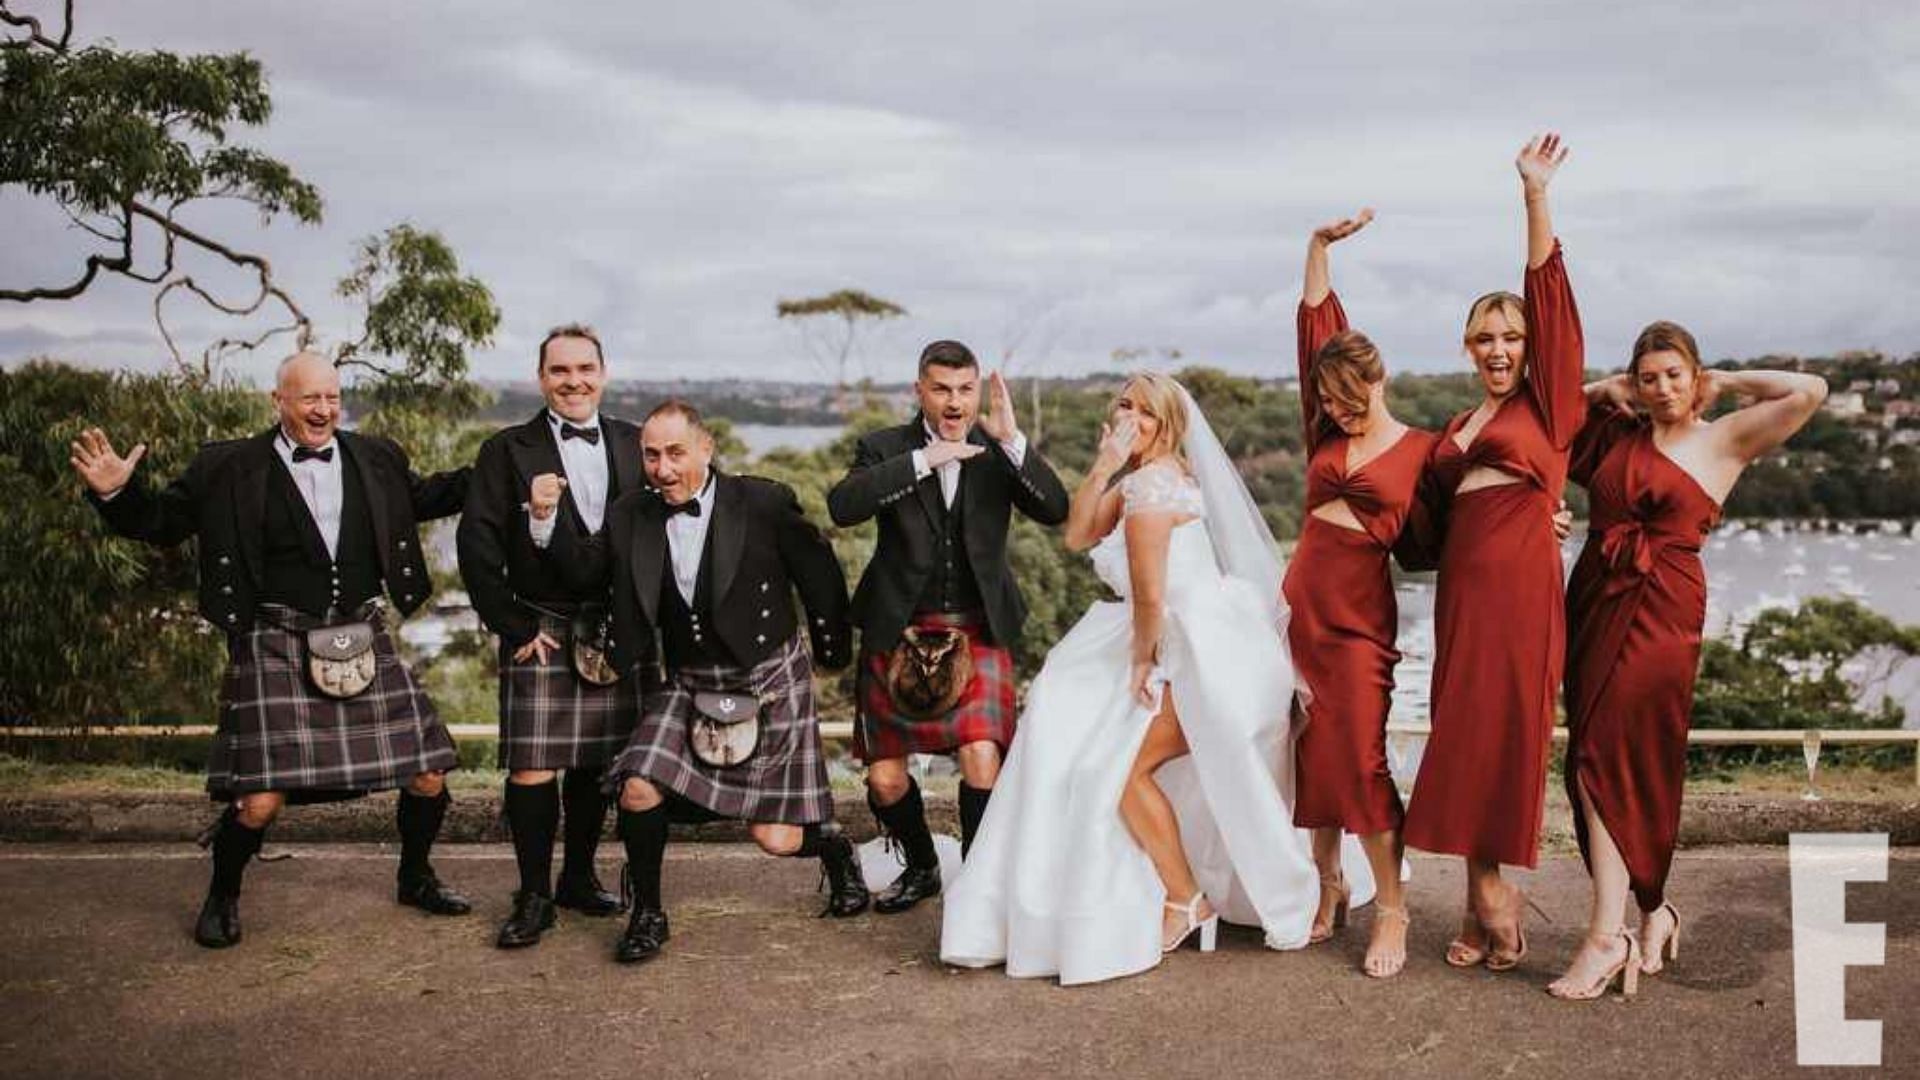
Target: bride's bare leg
pixel 1150 818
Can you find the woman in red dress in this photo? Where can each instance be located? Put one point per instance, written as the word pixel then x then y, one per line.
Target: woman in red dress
pixel 1363 467
pixel 1635 608
pixel 1499 615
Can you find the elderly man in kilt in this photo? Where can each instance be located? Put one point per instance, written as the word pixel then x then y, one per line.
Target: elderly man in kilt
pixel 301 529
pixel 943 486
pixel 704 572
pixel 557 472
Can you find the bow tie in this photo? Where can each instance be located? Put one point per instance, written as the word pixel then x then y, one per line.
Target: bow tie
pixel 691 508
pixel 591 434
pixel 303 453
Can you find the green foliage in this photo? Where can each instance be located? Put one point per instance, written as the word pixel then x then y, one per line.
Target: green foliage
pixel 1785 671
pixel 849 308
pixel 96 128
pixel 100 628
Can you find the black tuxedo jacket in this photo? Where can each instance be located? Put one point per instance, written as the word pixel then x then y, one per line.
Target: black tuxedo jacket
pixel 222 497
pixel 498 560
pixel 763 548
pixel 881 485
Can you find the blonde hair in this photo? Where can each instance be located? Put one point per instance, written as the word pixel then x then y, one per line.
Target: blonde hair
pixel 1347 368
pixel 1514 308
pixel 1159 396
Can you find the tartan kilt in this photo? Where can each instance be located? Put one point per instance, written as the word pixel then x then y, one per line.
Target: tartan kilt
pixel 985 713
pixel 550 718
pixel 277 733
pixel 784 782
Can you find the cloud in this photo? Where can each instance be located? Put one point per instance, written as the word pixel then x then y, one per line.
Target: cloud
pixel 1143 175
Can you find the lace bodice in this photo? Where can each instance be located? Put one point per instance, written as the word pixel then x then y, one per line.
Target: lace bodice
pixel 1163 487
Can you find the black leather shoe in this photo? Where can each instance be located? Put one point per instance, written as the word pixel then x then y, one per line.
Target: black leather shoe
pixel 429 895
pixel 646 935
pixel 588 897
pixel 532 916
pixel 219 923
pixel 846 892
pixel 915 883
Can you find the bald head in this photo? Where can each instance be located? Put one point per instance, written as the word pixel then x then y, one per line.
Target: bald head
pixel 306 394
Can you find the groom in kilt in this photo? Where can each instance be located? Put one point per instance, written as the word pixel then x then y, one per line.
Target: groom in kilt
pixel 301 530
pixel 556 473
pixel 943 487
pixel 705 568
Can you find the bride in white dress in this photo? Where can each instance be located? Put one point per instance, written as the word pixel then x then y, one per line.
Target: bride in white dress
pixel 1146 792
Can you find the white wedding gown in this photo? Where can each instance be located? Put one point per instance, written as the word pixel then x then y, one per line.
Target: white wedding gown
pixel 1055 884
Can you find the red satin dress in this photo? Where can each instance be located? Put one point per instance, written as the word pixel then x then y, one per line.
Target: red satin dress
pixel 1499 609
pixel 1635 607
pixel 1345 619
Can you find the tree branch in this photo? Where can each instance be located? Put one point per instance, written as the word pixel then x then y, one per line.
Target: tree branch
pixel 269 290
pixel 36 34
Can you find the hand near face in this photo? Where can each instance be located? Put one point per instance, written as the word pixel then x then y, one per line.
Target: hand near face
pixel 1710 387
pixel 544 497
pixel 102 468
pixel 1539 160
pixel 1116 444
pixel 998 421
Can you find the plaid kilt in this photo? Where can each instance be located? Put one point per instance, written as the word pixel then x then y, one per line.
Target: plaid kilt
pixel 279 734
pixel 785 782
pixel 551 718
pixel 985 712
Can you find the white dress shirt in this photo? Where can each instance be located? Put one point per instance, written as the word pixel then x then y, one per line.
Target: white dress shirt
pixel 320 487
pixel 585 466
pixel 686 537
pixel 1016 449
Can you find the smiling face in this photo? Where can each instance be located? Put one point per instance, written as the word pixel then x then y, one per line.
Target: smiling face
pixel 306 395
pixel 950 399
pixel 572 377
pixel 1497 342
pixel 677 455
pixel 1667 384
pixel 1355 419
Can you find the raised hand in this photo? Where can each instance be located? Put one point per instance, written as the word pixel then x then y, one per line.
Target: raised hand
pixel 1335 231
pixel 1116 445
pixel 1709 388
pixel 544 497
pixel 940 451
pixel 101 467
pixel 998 420
pixel 1539 160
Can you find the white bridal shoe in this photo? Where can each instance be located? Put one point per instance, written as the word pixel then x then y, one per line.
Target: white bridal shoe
pixel 1209 929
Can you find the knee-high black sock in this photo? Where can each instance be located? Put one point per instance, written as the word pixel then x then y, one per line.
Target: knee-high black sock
pixel 234 845
pixel 906 822
pixel 645 834
pixel 418 818
pixel 586 816
pixel 533 816
pixel 973 807
pixel 811 837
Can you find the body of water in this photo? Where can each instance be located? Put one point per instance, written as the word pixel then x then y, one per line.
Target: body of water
pixel 760 438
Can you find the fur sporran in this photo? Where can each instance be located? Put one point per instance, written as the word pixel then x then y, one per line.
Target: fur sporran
pixel 725 730
pixel 340 659
pixel 587 645
pixel 929 671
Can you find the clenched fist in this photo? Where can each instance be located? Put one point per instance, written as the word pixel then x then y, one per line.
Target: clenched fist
pixel 544 498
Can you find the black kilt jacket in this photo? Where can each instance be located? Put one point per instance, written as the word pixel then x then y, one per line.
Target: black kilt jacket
pixel 222 498
pixel 881 485
pixel 498 560
pixel 764 550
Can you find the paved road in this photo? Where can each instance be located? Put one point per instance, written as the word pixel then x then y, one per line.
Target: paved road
pixel 99 979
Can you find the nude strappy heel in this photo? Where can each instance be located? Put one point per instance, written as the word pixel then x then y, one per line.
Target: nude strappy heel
pixel 1627 971
pixel 1655 962
pixel 1209 927
pixel 1338 887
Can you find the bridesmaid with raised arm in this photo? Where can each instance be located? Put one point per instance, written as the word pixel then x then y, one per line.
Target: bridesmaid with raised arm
pixel 1636 605
pixel 1499 614
pixel 1363 467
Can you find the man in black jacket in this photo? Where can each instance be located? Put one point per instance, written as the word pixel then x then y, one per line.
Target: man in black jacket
pixel 558 471
pixel 704 572
pixel 943 488
pixel 302 528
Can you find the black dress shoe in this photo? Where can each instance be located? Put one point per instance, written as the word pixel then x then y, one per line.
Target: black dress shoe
pixel 588 897
pixel 646 935
pixel 532 916
pixel 915 883
pixel 429 895
pixel 846 890
pixel 219 923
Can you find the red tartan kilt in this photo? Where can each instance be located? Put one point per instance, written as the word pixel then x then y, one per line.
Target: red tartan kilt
pixel 985 712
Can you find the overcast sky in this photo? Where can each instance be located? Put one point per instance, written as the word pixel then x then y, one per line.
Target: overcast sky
pixel 1067 177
